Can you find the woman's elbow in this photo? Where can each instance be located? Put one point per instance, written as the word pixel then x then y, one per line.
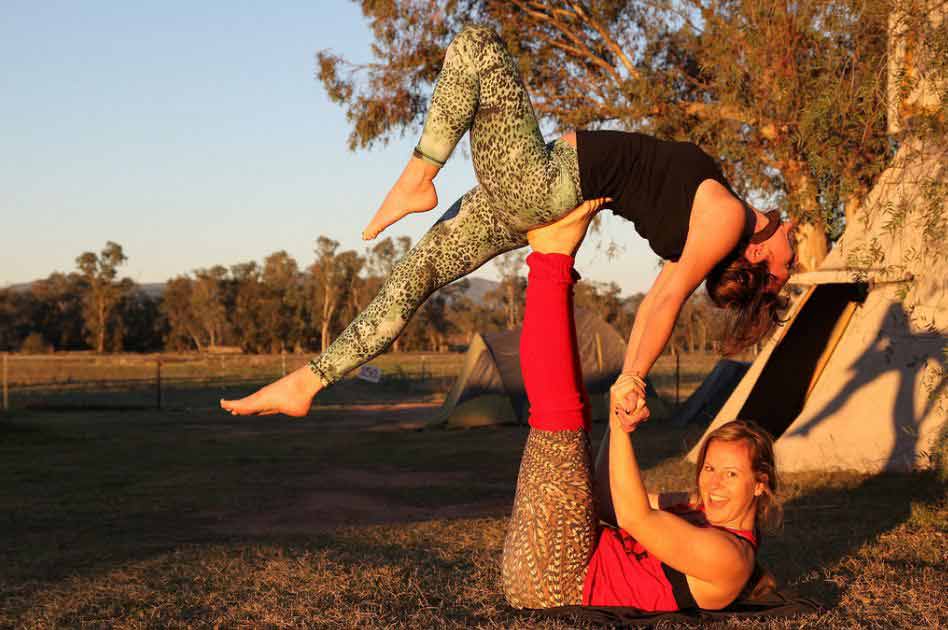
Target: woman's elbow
pixel 630 522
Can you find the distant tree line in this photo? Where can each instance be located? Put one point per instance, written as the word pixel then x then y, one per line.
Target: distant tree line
pixel 280 306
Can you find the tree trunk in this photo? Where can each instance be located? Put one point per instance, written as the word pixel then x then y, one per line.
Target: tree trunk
pixel 812 242
pixel 812 246
pixel 196 340
pixel 851 208
pixel 324 339
pixel 100 337
pixel 511 306
pixel 329 308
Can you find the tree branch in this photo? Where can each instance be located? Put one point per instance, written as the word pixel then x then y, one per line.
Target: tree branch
pixel 586 52
pixel 607 39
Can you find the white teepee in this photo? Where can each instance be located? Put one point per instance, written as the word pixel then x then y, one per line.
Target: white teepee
pixel 856 378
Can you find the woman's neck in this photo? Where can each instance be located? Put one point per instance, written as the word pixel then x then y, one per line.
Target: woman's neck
pixel 760 219
pixel 745 522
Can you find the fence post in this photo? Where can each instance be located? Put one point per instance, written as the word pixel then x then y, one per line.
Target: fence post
pixel 6 391
pixel 158 382
pixel 599 352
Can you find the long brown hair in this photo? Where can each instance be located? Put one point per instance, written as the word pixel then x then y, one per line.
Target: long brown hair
pixel 741 287
pixel 761 446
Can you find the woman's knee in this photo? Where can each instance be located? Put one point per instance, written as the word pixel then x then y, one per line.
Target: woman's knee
pixel 472 42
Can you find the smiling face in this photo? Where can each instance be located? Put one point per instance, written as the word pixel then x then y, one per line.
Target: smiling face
pixel 728 485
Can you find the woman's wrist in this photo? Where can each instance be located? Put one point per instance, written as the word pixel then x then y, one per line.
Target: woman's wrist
pixel 631 376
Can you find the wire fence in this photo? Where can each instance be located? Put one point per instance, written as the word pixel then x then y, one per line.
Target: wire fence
pixel 79 380
pixel 85 380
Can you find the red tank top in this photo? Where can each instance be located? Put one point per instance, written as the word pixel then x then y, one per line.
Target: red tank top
pixel 623 573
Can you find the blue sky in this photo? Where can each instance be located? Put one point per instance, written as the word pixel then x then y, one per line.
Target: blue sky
pixel 194 134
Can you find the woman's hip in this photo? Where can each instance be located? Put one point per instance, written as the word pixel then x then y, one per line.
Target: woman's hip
pixel 529 194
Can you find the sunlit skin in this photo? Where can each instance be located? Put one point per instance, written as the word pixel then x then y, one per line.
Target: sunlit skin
pixel 728 485
pixel 779 252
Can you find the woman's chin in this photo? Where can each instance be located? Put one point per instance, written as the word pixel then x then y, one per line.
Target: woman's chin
pixel 716 511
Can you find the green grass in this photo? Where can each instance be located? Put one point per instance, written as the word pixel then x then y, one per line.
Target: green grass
pixel 191 518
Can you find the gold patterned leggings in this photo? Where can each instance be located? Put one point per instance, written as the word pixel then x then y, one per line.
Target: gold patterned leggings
pixel 553 528
pixel 524 182
pixel 554 525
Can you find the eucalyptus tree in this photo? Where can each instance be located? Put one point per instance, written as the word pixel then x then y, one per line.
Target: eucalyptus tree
pixel 182 329
pixel 284 304
pixel 790 96
pixel 103 291
pixel 57 311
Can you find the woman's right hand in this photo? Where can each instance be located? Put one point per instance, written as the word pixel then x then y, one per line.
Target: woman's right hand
pixel 627 408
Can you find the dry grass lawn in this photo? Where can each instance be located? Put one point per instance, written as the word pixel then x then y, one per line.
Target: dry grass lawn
pixel 190 518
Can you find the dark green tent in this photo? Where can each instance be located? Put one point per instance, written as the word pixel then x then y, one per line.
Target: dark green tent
pixel 489 389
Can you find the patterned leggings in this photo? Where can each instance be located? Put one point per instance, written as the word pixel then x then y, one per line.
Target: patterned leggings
pixel 524 183
pixel 553 529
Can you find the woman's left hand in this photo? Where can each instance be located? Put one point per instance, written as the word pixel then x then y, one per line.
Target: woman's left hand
pixel 627 405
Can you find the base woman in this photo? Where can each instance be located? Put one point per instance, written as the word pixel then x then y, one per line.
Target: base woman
pixel 673 192
pixel 698 553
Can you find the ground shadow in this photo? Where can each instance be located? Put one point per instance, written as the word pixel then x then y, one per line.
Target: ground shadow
pixel 843 516
pixel 93 495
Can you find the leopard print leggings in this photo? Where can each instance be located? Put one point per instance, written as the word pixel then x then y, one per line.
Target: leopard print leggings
pixel 553 527
pixel 523 183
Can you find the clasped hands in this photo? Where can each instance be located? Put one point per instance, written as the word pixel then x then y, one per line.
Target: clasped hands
pixel 627 407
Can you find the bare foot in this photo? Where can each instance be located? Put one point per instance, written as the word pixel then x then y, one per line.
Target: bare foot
pixel 413 192
pixel 566 234
pixel 292 395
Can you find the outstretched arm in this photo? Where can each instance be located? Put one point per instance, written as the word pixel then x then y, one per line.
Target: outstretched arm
pixel 713 232
pixel 706 554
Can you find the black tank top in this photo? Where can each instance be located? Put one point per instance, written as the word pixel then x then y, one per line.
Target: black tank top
pixel 652 183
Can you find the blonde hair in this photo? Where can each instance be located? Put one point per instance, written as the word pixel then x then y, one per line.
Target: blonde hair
pixel 769 514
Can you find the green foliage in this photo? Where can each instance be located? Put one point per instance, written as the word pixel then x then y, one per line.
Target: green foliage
pixel 15 311
pixel 941 455
pixel 56 310
pixel 790 96
pixel 35 343
pixel 102 293
pixel 140 325
pixel 278 306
